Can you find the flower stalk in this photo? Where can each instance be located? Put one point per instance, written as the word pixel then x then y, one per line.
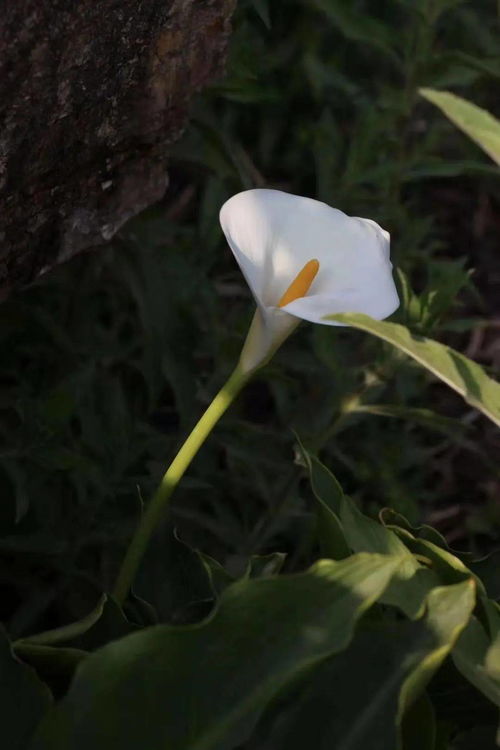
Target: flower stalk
pixel 160 500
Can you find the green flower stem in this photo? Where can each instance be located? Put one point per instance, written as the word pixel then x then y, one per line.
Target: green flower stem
pixel 158 504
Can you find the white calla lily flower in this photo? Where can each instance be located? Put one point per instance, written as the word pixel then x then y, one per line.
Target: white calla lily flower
pixel 303 260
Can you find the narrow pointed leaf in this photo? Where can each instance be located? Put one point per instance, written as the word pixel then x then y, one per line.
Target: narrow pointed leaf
pixel 475 122
pixel 460 373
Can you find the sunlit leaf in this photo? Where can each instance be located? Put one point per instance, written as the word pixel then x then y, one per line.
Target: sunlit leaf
pixel 470 657
pixel 203 687
pixel 353 699
pixel 475 122
pixel 460 373
pixel 343 528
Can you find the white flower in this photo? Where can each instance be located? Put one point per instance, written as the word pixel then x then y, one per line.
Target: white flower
pixel 304 260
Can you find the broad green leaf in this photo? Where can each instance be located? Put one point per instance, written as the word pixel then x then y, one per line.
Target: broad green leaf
pixel 449 609
pixel 470 656
pixel 356 698
pixel 396 521
pixel 492 612
pixel 329 500
pixel 24 699
pixel 490 656
pixel 344 528
pixel 488 570
pixel 492 661
pixel 462 374
pixel 418 728
pixel 475 122
pixel 361 533
pixel 203 687
pixel 448 567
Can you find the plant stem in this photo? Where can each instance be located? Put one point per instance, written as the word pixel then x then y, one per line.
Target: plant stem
pixel 158 504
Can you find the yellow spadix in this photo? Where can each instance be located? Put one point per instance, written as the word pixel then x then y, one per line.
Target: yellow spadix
pixel 301 283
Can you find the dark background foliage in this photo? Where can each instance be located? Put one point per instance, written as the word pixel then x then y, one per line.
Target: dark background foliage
pixel 107 362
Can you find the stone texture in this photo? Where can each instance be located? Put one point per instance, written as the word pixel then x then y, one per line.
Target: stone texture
pixel 92 93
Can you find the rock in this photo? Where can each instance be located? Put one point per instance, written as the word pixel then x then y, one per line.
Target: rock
pixel 92 93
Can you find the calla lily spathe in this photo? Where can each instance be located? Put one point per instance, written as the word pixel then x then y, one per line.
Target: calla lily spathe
pixel 303 260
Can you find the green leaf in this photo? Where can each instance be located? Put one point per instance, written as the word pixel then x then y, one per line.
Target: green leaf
pixel 72 630
pixel 344 528
pixel 396 521
pixel 218 576
pixel 437 168
pixel 449 609
pixel 488 570
pixel 462 374
pixel 261 7
pixel 475 122
pixel 471 659
pixel 424 417
pixel 418 728
pixel 136 611
pixel 358 26
pixel 203 687
pixel 24 699
pixel 448 567
pixel 488 66
pixel 261 566
pixel 112 624
pixel 173 577
pixel 329 500
pixel 357 698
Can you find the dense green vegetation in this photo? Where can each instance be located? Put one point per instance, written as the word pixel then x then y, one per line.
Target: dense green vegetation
pixel 108 362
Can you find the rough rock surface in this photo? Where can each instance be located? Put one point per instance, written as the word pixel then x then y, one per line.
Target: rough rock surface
pixel 91 95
